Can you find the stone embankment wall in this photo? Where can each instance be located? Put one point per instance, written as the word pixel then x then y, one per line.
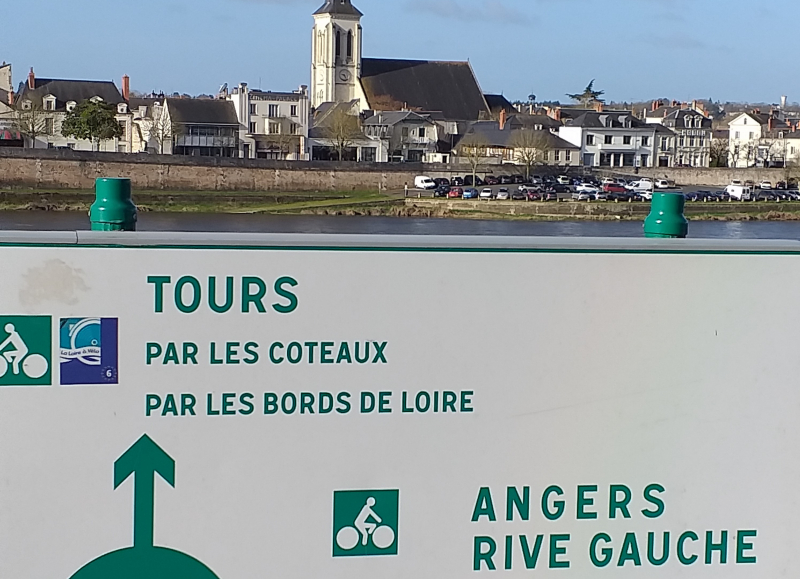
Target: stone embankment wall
pixel 712 177
pixel 64 169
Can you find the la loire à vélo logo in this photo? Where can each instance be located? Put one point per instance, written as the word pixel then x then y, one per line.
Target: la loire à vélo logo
pixel 365 523
pixel 25 350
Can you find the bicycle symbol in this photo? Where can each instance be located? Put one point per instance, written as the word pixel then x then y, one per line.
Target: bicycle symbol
pixel 34 366
pixel 362 531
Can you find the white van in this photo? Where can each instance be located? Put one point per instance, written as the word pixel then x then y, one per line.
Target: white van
pixel 739 192
pixel 425 183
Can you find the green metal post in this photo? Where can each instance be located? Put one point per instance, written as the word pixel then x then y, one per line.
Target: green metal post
pixel 113 209
pixel 666 219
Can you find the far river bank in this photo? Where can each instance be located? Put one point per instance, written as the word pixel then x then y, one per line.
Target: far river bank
pixel 377 204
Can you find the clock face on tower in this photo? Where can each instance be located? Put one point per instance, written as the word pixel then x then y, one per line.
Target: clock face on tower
pixel 344 75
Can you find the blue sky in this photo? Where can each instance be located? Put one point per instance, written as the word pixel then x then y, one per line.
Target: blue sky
pixel 636 49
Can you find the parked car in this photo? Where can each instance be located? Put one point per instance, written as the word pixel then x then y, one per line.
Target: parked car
pixel 662 184
pixel 442 182
pixel 502 194
pixel 549 194
pixel 582 196
pixel 441 191
pixel 519 195
pixel 613 188
pixel 537 180
pixel 487 193
pixel 492 180
pixel 739 192
pixel 586 188
pixel 455 193
pixel 533 195
pixel 457 182
pixel 700 196
pixel 765 185
pixel 765 195
pixel 600 196
pixel 623 196
pixel 478 181
pixel 424 183
pixel 506 179
pixel 470 193
pixel 519 179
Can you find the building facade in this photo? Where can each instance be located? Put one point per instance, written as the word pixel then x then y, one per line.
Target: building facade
pixel 610 139
pixel 273 125
pixel 693 135
pixel 336 54
pixel 763 140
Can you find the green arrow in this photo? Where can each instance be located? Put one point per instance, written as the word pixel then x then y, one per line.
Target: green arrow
pixel 143 460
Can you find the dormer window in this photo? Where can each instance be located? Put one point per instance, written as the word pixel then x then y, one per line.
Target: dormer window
pixel 49 103
pixel 697 122
pixel 687 121
pixel 26 105
pixel 96 99
pixel 71 106
pixel 122 108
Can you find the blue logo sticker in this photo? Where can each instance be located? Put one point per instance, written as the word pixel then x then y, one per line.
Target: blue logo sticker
pixel 88 351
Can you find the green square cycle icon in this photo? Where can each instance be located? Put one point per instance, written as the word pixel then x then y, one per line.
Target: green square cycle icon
pixel 365 523
pixel 26 347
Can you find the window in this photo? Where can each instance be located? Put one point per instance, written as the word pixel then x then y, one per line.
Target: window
pixel 338 45
pixel 293 129
pixel 274 128
pixel 736 135
pixel 253 109
pixel 293 111
pixel 273 111
pixel 702 142
pixel 644 161
pixel 568 156
pixel 422 132
pixel 681 141
pixel 404 132
pixel 626 140
pixel 556 156
pixel 253 128
pixel 697 122
pixel 26 105
pixel 664 142
pixel 691 141
pixel 546 156
pixel 48 127
pixel 350 45
pixel 609 139
pixel 368 154
pixel 687 121
pixel 590 139
pixel 751 135
pixel 124 128
pixel 49 104
pixel 645 141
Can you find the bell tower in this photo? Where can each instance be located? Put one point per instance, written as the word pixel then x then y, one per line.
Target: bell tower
pixel 336 53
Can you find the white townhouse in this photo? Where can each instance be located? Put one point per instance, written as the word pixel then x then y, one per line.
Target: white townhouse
pixel 274 125
pixel 611 139
pixel 762 140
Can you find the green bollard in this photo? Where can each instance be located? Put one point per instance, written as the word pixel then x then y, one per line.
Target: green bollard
pixel 666 218
pixel 113 209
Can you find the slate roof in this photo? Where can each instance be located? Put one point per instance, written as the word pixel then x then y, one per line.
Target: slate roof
pixel 202 111
pixel 3 96
pixel 675 119
pixel 69 90
pixel 449 87
pixel 490 130
pixel 530 121
pixel 390 118
pixel 339 7
pixel 498 102
pixel 598 120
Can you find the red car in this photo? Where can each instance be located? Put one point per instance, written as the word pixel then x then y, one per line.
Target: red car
pixel 455 193
pixel 613 188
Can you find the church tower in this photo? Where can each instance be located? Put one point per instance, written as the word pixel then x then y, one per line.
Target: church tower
pixel 336 53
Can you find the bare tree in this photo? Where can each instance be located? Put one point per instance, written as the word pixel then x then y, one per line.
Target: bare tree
pixel 474 147
pixel 718 152
pixel 767 150
pixel 531 148
pixel 342 129
pixel 32 121
pixel 160 127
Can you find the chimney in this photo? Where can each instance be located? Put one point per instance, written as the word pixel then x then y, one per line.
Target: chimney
pixel 654 106
pixel 126 87
pixel 502 119
pixel 598 107
pixel 11 98
pixel 31 80
pixel 557 115
pixel 771 123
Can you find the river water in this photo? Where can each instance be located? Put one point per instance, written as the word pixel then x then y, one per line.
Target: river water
pixel 59 221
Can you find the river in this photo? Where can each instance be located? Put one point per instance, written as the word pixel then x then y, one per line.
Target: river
pixel 59 221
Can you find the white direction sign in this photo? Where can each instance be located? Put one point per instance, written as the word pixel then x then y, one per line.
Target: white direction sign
pixel 297 412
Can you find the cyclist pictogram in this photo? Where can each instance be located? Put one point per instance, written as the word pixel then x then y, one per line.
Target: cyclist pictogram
pixel 365 523
pixel 25 349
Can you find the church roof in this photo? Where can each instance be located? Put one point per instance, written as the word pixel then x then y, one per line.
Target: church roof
pixel 448 87
pixel 340 8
